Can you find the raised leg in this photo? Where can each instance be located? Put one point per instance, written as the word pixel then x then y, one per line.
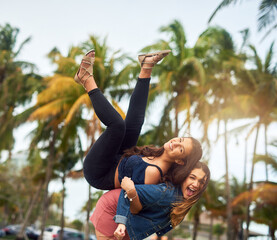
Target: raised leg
pixel 135 114
pixel 100 162
pixel 136 111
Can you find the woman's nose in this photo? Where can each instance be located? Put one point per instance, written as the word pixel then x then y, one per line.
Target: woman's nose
pixel 195 183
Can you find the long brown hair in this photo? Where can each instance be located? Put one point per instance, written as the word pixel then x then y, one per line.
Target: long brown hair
pixel 147 151
pixel 151 151
pixel 180 209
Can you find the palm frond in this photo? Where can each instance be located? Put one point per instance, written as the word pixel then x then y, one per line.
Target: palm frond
pixel 198 67
pixel 266 159
pixel 269 31
pixel 82 100
pixel 245 37
pixel 267 13
pixel 223 4
pixel 118 109
pixel 257 59
pixel 267 192
pixel 50 109
pixel 21 46
pixel 269 58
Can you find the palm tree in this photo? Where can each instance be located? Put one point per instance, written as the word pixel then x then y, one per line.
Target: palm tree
pixel 36 174
pixel 259 85
pixel 194 214
pixel 216 49
pixel 213 202
pixel 179 75
pixel 17 84
pixel 68 159
pixel 60 106
pixel 266 14
pixel 265 204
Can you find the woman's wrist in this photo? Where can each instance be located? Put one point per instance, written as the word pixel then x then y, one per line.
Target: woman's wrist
pixel 131 194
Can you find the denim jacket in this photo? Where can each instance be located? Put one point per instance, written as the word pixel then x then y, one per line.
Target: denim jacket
pixel 154 217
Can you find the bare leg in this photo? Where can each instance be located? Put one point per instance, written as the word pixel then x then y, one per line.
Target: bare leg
pixel 146 70
pixel 101 236
pixel 136 111
pixel 145 73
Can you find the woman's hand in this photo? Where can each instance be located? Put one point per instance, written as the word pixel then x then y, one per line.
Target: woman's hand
pixel 127 184
pixel 119 233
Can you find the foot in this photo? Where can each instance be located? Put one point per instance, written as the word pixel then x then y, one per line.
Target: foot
pixel 148 61
pixel 84 76
pixel 146 69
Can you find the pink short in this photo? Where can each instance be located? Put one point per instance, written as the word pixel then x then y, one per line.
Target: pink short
pixel 105 210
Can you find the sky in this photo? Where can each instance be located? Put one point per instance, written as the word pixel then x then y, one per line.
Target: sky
pixel 129 26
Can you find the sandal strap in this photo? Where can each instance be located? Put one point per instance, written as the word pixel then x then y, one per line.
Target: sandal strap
pixel 88 70
pixel 157 56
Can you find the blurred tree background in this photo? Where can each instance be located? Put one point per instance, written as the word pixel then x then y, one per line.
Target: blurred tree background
pixel 213 83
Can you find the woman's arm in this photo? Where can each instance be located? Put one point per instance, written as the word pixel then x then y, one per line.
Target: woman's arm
pixel 128 185
pixel 152 175
pixel 148 196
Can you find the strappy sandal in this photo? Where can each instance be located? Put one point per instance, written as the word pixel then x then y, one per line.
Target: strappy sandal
pixel 159 56
pixel 89 69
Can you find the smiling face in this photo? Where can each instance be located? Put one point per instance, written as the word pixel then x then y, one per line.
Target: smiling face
pixel 178 148
pixel 193 183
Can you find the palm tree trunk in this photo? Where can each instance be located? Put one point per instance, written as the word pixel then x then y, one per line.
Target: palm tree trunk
pixel 48 176
pixel 227 186
pixel 88 214
pixel 195 226
pixel 272 233
pixel 176 122
pixel 62 215
pixel 34 199
pixel 265 142
pixel 211 228
pixel 94 122
pixel 251 185
pixel 245 162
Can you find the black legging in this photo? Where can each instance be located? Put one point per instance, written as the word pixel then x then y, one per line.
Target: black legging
pixel 101 161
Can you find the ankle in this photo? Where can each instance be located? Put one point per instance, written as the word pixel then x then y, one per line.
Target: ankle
pixel 145 73
pixel 90 84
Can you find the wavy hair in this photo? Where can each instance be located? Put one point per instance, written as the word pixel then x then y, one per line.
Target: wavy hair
pixel 151 151
pixel 180 209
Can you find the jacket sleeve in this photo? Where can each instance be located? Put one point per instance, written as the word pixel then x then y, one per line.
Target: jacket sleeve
pixel 151 194
pixel 148 196
pixel 123 209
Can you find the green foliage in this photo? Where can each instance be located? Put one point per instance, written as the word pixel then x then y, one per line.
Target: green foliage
pixel 218 229
pixel 77 224
pixel 266 14
pixel 18 82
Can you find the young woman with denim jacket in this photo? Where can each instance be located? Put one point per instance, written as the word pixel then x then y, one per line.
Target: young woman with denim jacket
pixel 114 155
pixel 147 209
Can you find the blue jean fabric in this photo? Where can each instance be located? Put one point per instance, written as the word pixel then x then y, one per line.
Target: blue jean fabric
pixel 155 215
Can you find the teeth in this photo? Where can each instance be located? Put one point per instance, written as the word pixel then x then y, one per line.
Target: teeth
pixel 192 189
pixel 170 145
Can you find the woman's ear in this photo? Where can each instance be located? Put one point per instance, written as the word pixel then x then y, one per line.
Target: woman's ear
pixel 180 162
